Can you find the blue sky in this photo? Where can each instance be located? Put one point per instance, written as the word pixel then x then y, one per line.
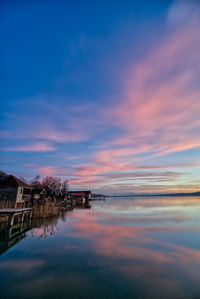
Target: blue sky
pixel 103 93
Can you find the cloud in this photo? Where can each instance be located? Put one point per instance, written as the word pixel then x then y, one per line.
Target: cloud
pixel 131 142
pixel 36 147
pixel 162 96
pixel 53 120
pixel 114 177
pixel 183 11
pixel 48 170
pixel 159 112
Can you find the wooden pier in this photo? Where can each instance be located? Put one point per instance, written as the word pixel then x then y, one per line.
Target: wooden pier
pixel 12 213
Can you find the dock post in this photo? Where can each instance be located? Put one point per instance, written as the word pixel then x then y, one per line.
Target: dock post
pixel 9 233
pixel 22 217
pixel 11 220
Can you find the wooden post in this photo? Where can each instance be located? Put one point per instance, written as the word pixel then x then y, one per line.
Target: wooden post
pixel 22 218
pixel 9 233
pixel 11 219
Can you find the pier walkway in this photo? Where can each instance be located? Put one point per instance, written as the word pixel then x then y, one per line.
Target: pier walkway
pixel 13 212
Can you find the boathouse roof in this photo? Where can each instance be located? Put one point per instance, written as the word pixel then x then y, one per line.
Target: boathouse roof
pixel 80 191
pixel 11 181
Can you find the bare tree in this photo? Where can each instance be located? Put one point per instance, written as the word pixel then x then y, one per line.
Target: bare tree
pixel 65 187
pixel 36 181
pixel 52 184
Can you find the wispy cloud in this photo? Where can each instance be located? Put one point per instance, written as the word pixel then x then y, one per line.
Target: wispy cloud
pixel 36 147
pixel 162 95
pixel 159 113
pixel 133 140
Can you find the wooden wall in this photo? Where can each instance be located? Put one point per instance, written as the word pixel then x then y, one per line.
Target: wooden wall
pixel 8 198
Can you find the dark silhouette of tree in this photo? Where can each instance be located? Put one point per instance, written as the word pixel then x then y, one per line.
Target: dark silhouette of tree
pixel 52 184
pixel 36 181
pixel 65 187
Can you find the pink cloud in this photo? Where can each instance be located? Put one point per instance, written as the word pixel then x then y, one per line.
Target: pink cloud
pixel 158 115
pixel 162 95
pixel 50 133
pixel 36 147
pixel 48 170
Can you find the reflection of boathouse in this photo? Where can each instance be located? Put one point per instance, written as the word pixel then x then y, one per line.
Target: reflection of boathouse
pixel 10 236
pixel 41 228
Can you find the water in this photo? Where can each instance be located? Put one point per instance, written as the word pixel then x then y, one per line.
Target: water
pixel 120 248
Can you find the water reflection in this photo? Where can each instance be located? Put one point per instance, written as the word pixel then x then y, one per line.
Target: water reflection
pixel 40 228
pixel 12 235
pixel 44 228
pixel 121 248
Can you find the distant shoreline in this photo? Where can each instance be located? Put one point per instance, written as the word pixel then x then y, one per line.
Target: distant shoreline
pixel 158 195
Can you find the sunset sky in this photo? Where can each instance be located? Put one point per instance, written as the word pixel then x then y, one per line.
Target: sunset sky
pixel 103 93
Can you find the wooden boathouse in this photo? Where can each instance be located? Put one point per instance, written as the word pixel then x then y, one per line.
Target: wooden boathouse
pixel 80 195
pixel 14 193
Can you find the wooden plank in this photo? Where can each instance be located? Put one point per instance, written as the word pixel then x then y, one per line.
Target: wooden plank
pixel 8 211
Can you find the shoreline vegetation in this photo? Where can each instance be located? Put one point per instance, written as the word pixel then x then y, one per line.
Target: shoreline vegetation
pixel 22 202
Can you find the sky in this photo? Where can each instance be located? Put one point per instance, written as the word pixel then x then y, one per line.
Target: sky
pixel 105 94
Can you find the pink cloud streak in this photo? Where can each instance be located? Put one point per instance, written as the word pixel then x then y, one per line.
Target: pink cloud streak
pixel 158 114
pixel 36 147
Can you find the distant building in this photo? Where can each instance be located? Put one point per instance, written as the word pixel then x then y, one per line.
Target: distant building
pixel 85 195
pixel 14 193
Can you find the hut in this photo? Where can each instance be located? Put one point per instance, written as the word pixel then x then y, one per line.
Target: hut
pixel 14 193
pixel 82 195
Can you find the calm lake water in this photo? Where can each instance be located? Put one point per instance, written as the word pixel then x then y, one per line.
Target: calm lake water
pixel 120 248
